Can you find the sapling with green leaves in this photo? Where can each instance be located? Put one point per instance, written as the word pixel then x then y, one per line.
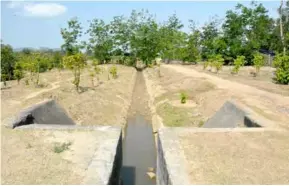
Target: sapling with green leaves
pixel 281 63
pixel 218 62
pixel 258 62
pixel 75 63
pixel 238 63
pixel 113 71
pixel 18 72
pixel 183 97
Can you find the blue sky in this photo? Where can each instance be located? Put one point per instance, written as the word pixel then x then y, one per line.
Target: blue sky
pixel 37 24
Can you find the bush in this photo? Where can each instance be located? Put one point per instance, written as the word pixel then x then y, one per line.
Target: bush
pixel 26 81
pixel 18 72
pixel 258 62
pixel 206 64
pixel 238 63
pixel 4 78
pixel 183 97
pixel 58 148
pixel 113 71
pixel 218 62
pixel 75 63
pixel 281 63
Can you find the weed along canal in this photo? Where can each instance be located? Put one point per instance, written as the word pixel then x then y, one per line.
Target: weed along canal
pixel 139 153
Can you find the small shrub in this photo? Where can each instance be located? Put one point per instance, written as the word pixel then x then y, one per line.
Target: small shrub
pixel 201 123
pixel 150 65
pixel 113 71
pixel 206 64
pixel 238 63
pixel 4 78
pixel 281 63
pixel 26 81
pixel 75 63
pixel 183 97
pixel 58 148
pixel 258 62
pixel 218 62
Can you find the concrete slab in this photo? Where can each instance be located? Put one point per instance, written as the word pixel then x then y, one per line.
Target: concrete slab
pixel 234 114
pixel 47 112
pixel 95 155
pixel 223 156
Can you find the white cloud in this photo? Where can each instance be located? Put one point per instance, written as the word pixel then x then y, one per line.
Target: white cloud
pixel 38 9
pixel 44 9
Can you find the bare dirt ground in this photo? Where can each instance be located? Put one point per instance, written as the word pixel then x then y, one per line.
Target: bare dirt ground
pixel 106 103
pixel 206 94
pixel 26 153
pixel 236 157
pixel 263 81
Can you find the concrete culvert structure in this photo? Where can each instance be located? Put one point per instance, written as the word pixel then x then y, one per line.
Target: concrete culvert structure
pixel 233 114
pixel 47 112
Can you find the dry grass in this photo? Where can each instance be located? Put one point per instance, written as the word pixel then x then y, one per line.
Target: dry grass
pixel 198 90
pixel 263 81
pixel 104 104
pixel 29 156
pixel 237 157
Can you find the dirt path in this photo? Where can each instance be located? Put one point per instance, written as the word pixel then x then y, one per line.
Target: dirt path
pixel 265 101
pixel 54 85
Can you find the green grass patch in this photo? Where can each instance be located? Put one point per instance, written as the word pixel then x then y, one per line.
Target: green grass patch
pixel 177 117
pixel 61 147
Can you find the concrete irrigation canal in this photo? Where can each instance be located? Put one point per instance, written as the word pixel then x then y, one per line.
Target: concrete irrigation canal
pixel 139 153
pixel 232 146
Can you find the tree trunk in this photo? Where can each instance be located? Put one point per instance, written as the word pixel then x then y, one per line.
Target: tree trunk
pixel 281 27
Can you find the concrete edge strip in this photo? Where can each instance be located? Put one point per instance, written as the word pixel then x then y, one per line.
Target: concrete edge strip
pixel 65 127
pixel 101 166
pixel 215 130
pixel 174 159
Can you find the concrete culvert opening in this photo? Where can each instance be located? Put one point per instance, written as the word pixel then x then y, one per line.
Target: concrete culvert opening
pixel 47 112
pixel 231 115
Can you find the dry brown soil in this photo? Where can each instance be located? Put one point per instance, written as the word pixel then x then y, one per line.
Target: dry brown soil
pixel 263 81
pixel 28 156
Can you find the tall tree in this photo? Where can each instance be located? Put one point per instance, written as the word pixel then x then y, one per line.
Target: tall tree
pixel 171 37
pixel 145 39
pixel 209 34
pixel 100 40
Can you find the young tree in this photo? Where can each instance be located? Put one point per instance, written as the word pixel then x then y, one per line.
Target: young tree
pixel 258 62
pixel 218 62
pixel 75 63
pixel 238 63
pixel 31 63
pixel 281 62
pixel 18 72
pixel 70 36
